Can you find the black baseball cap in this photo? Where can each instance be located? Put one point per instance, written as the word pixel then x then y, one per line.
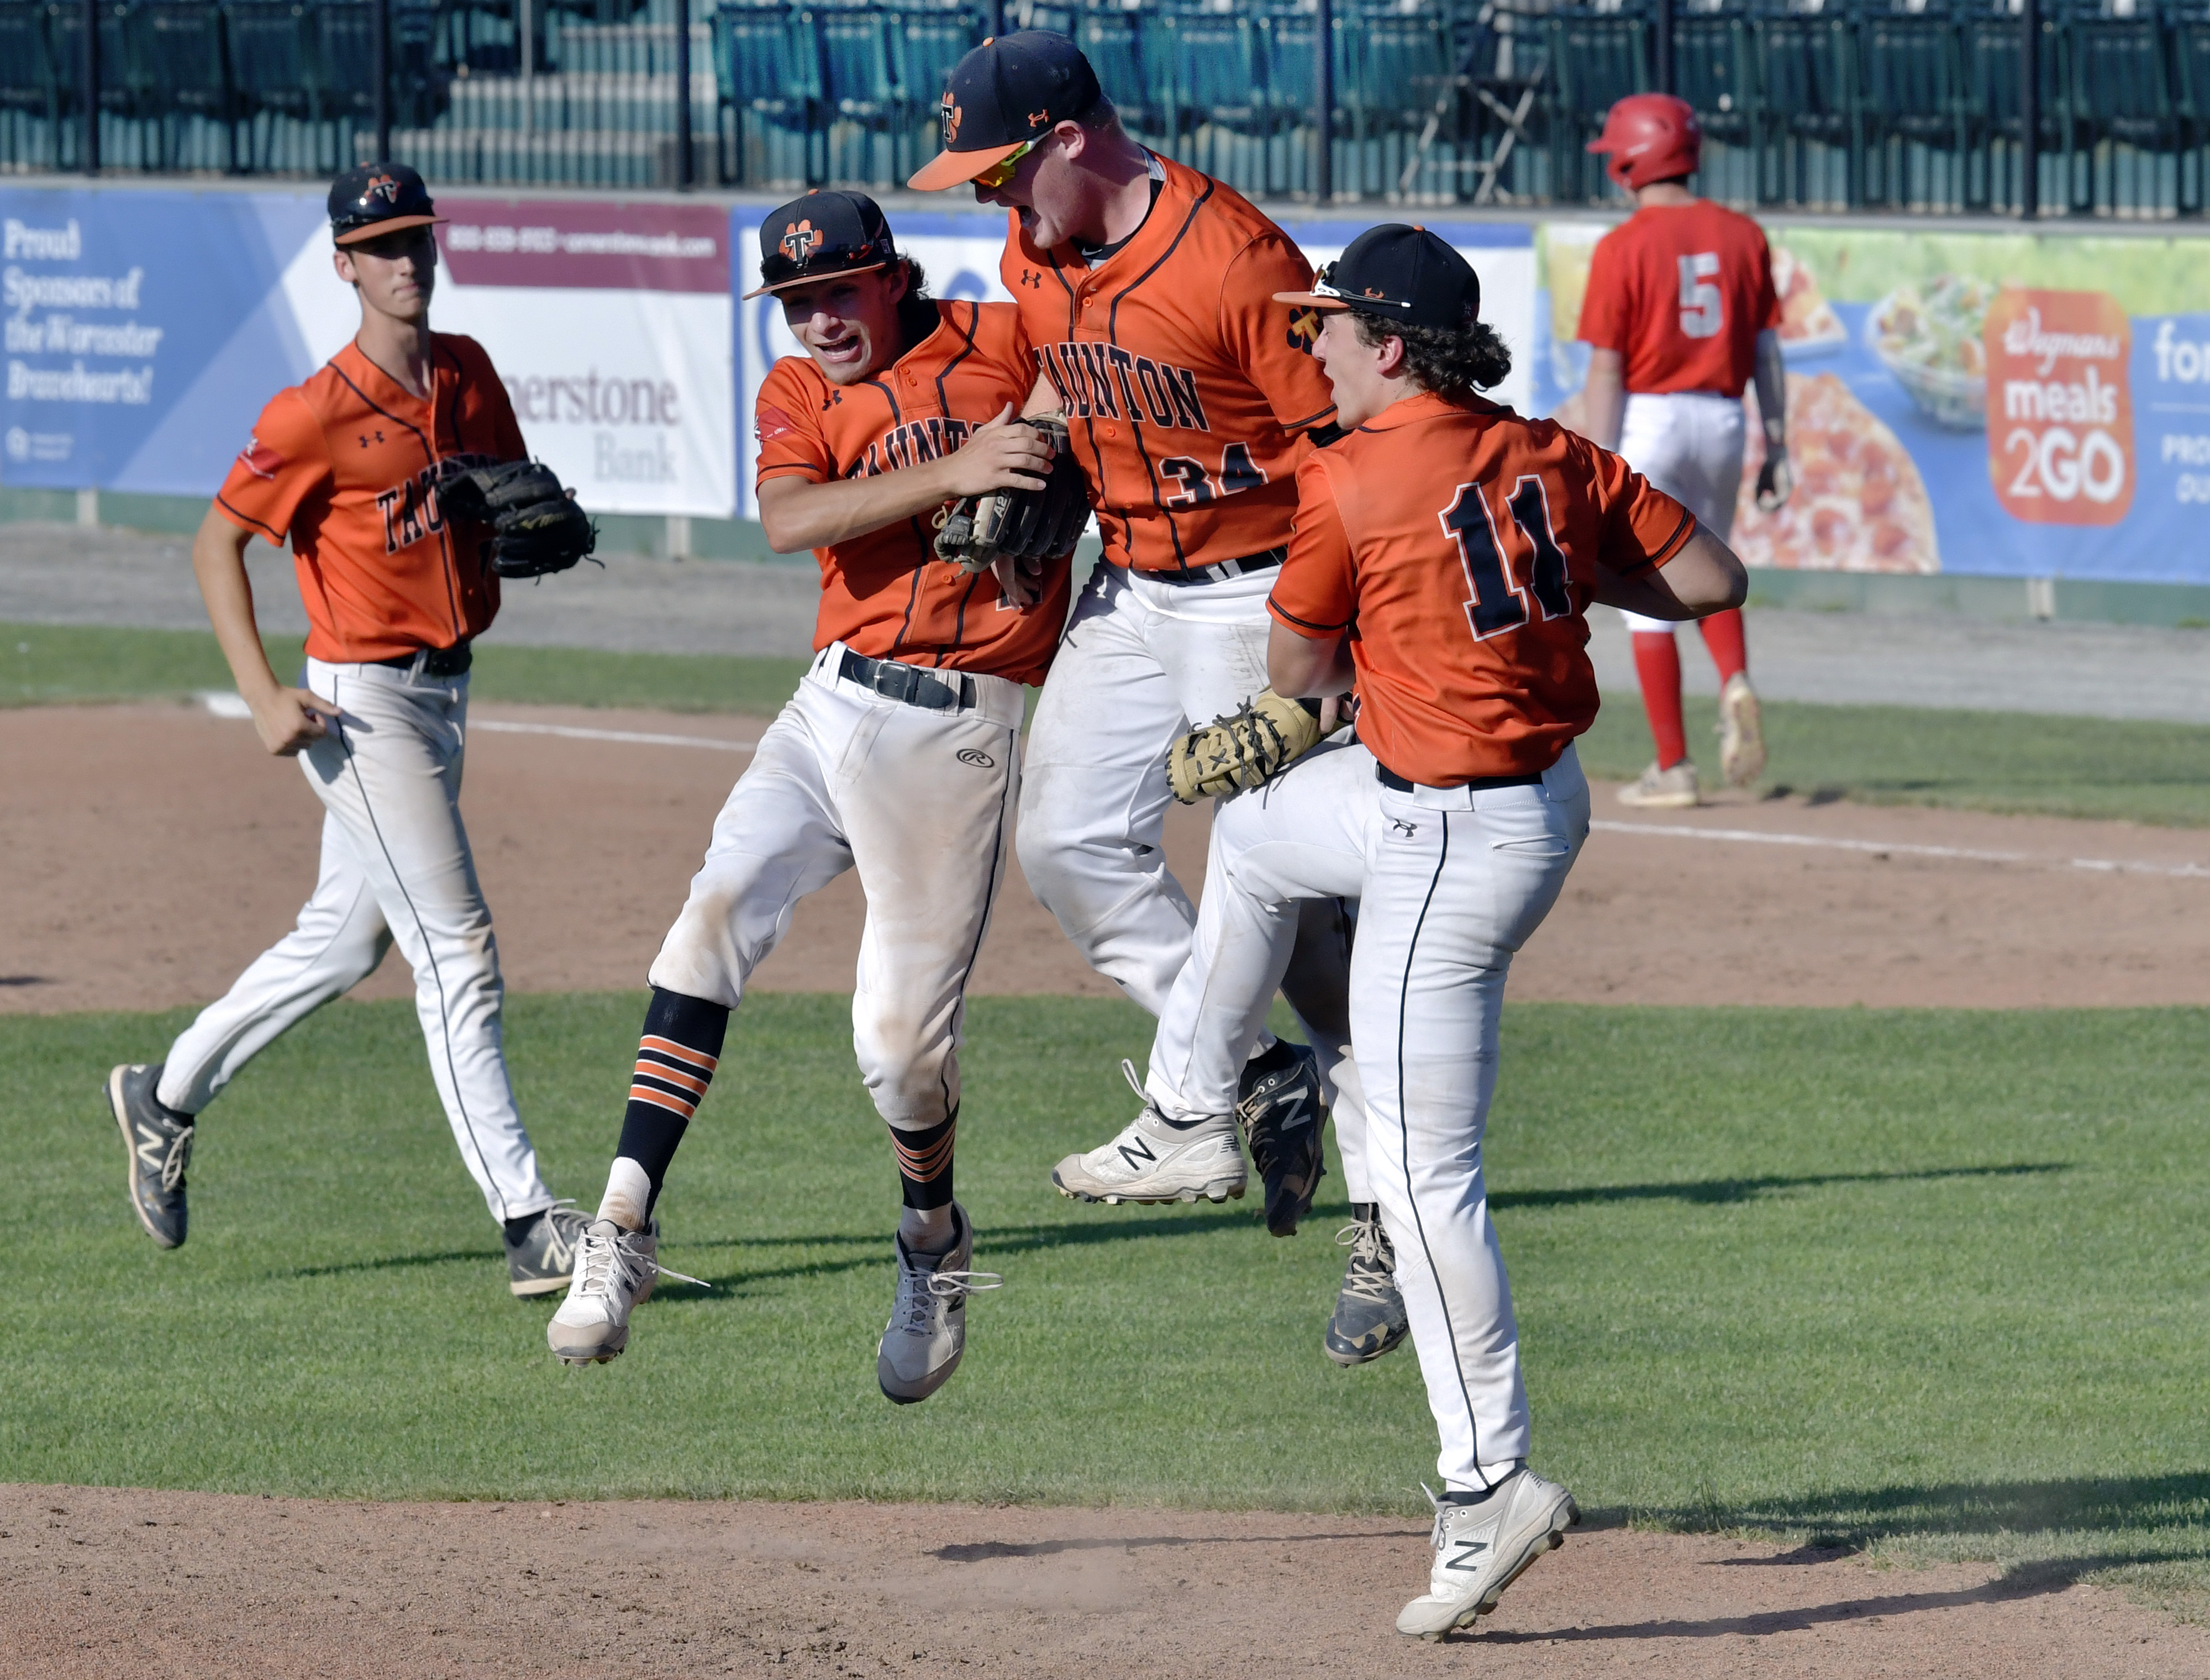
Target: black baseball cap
pixel 1003 95
pixel 1397 273
pixel 378 198
pixel 821 234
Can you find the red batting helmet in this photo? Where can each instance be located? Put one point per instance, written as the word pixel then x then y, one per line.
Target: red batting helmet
pixel 1650 137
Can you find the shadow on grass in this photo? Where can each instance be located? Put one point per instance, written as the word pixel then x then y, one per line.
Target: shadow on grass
pixel 1853 1518
pixel 1722 1190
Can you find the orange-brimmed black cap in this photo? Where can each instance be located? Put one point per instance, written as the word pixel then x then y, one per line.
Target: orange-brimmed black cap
pixel 1000 97
pixel 376 199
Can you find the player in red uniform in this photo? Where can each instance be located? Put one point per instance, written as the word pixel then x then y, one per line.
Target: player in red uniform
pixel 1681 315
pixel 899 757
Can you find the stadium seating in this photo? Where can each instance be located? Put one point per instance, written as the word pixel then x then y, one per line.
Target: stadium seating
pixel 1828 104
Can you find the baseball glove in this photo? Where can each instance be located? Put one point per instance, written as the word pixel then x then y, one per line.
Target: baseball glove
pixel 1039 524
pixel 1244 749
pixel 536 527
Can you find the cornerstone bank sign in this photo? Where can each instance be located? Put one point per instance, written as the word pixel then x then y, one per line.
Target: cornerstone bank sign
pixel 144 330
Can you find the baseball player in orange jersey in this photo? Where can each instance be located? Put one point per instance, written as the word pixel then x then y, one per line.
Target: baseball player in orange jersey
pixel 1147 291
pixel 1445 553
pixel 346 468
pixel 899 755
pixel 1682 315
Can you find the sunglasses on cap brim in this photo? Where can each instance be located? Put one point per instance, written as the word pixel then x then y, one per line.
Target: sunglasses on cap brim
pixel 1002 171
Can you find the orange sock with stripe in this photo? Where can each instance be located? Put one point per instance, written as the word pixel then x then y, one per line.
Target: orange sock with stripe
pixel 675 1062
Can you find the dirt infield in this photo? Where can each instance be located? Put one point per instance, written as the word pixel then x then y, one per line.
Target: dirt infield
pixel 156 851
pixel 100 1582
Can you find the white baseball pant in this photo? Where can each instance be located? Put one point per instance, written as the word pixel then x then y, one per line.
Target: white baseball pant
pixel 921 803
pixel 1689 445
pixel 1141 662
pixel 395 867
pixel 1451 882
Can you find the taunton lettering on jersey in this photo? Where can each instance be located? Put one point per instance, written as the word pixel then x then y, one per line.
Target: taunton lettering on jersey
pixel 904 445
pixel 410 507
pixel 1105 382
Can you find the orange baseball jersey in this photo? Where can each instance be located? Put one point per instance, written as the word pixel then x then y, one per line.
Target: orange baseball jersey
pixel 1188 389
pixel 885 595
pixel 1458 546
pixel 346 466
pixel 1682 291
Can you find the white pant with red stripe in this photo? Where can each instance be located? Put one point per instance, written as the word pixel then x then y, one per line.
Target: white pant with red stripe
pixel 921 803
pixel 395 867
pixel 1689 445
pixel 1451 883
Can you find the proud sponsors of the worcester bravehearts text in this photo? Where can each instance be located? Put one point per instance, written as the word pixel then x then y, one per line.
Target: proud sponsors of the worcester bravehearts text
pixel 58 330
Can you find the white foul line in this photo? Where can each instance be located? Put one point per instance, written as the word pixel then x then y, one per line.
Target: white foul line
pixel 1964 854
pixel 568 731
pixel 226 705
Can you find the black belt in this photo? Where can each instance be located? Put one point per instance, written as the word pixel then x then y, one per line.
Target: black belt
pixel 952 690
pixel 1224 571
pixel 1480 785
pixel 432 662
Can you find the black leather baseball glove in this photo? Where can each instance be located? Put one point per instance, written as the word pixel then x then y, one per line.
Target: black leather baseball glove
pixel 1039 524
pixel 536 527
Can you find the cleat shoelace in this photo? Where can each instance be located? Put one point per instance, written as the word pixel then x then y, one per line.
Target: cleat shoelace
pixel 1367 1277
pixel 179 1157
pixel 602 1261
pixel 919 1291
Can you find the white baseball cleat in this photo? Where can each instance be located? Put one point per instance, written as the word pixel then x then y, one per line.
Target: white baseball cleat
pixel 615 1270
pixel 1741 732
pixel 1158 1160
pixel 1481 1549
pixel 928 1330
pixel 1673 790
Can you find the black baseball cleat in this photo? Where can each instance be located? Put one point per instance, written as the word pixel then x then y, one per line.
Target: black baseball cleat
pixel 160 1140
pixel 1369 1312
pixel 1282 1116
pixel 541 1250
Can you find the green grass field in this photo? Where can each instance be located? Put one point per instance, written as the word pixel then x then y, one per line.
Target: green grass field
pixel 1928 1283
pixel 1890 755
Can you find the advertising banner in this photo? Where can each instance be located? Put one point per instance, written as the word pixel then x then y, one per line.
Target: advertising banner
pixel 2012 404
pixel 960 249
pixel 144 331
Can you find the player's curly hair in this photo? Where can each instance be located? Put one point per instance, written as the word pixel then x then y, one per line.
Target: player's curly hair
pixel 916 313
pixel 1453 362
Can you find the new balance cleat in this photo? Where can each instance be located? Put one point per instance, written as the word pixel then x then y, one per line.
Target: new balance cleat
pixel 541 1259
pixel 927 1332
pixel 160 1140
pixel 615 1270
pixel 1481 1549
pixel 1156 1159
pixel 1657 790
pixel 1369 1312
pixel 1283 1121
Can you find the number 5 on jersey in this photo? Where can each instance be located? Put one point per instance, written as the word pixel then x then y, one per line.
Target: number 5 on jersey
pixel 1497 603
pixel 1703 308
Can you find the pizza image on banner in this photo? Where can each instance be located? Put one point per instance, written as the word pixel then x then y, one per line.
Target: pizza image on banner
pixel 2060 410
pixel 1860 505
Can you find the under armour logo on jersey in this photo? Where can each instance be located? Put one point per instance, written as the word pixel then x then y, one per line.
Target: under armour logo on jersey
pixel 797 238
pixel 1468 1552
pixel 1400 826
pixel 364 439
pixel 1031 277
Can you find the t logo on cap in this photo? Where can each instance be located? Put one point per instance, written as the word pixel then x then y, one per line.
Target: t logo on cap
pixel 384 187
pixel 799 239
pixel 951 116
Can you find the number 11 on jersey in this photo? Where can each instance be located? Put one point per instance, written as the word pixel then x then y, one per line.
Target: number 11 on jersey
pixel 1498 604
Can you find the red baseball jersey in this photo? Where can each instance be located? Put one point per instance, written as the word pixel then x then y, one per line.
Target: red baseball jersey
pixel 886 594
pixel 1458 546
pixel 347 467
pixel 1682 291
pixel 1188 390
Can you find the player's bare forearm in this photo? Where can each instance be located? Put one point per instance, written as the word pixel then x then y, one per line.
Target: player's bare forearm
pixel 1299 668
pixel 1603 400
pixel 1043 399
pixel 286 719
pixel 1705 578
pixel 798 514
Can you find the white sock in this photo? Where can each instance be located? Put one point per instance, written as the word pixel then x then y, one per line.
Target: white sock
pixel 928 1230
pixel 628 1191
